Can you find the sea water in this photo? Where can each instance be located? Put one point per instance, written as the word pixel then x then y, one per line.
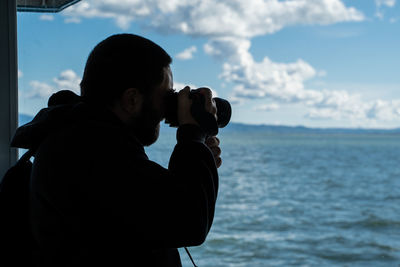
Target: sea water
pixel 302 200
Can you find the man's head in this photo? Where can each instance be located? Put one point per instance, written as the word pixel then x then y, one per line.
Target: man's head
pixel 120 62
pixel 129 74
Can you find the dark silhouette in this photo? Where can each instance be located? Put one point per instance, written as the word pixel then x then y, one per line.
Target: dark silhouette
pixel 96 198
pixel 16 242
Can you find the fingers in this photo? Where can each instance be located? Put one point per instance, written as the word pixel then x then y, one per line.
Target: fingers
pixel 212 141
pixel 210 105
pixel 218 162
pixel 216 151
pixel 184 104
pixel 213 144
pixel 183 97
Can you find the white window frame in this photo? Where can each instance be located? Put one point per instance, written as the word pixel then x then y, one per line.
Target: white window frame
pixel 8 83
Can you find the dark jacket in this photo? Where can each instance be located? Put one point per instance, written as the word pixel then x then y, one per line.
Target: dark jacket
pixel 96 199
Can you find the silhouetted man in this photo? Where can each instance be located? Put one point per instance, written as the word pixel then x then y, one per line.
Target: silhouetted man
pixel 96 199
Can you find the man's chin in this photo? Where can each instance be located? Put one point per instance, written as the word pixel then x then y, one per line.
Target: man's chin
pixel 150 137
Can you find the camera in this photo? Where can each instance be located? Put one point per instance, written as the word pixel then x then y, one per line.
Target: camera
pixel 208 123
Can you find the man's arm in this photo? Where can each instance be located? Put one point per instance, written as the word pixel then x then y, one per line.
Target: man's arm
pixel 193 160
pixel 161 207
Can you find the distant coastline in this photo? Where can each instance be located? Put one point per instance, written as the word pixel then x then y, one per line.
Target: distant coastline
pixel 242 127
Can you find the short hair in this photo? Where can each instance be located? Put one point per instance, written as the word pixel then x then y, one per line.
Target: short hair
pixel 120 62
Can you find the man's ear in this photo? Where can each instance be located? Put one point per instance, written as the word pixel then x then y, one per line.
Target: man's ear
pixel 131 101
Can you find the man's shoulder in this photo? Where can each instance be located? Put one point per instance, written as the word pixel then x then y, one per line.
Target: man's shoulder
pixel 89 138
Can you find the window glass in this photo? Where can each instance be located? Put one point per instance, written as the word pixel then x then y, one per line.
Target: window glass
pixel 311 156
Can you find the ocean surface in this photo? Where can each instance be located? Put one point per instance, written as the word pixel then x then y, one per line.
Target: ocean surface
pixel 302 199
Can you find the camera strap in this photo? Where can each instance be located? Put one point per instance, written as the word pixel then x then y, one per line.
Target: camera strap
pixel 190 257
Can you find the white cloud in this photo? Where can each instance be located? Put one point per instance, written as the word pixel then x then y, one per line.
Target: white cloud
pixel 383 3
pixel 388 3
pixel 217 18
pixel 20 74
pixel 379 14
pixel 178 86
pixel 322 114
pixel 40 90
pixel 67 80
pixel 187 53
pixel 354 108
pixel 267 107
pixel 73 20
pixel 46 17
pixel 322 73
pixel 229 25
pixel 284 83
pixel 383 110
pixel 122 11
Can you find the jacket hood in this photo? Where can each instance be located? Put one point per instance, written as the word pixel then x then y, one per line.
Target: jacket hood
pixel 30 135
pixel 63 109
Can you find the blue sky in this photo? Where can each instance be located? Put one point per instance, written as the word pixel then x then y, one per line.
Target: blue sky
pixel 317 63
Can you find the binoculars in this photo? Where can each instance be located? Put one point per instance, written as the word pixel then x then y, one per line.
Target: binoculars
pixel 208 123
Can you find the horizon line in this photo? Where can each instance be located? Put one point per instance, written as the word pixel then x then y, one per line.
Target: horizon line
pixel 294 126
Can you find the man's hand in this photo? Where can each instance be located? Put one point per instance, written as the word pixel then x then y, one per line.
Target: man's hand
pixel 213 143
pixel 185 117
pixel 185 103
